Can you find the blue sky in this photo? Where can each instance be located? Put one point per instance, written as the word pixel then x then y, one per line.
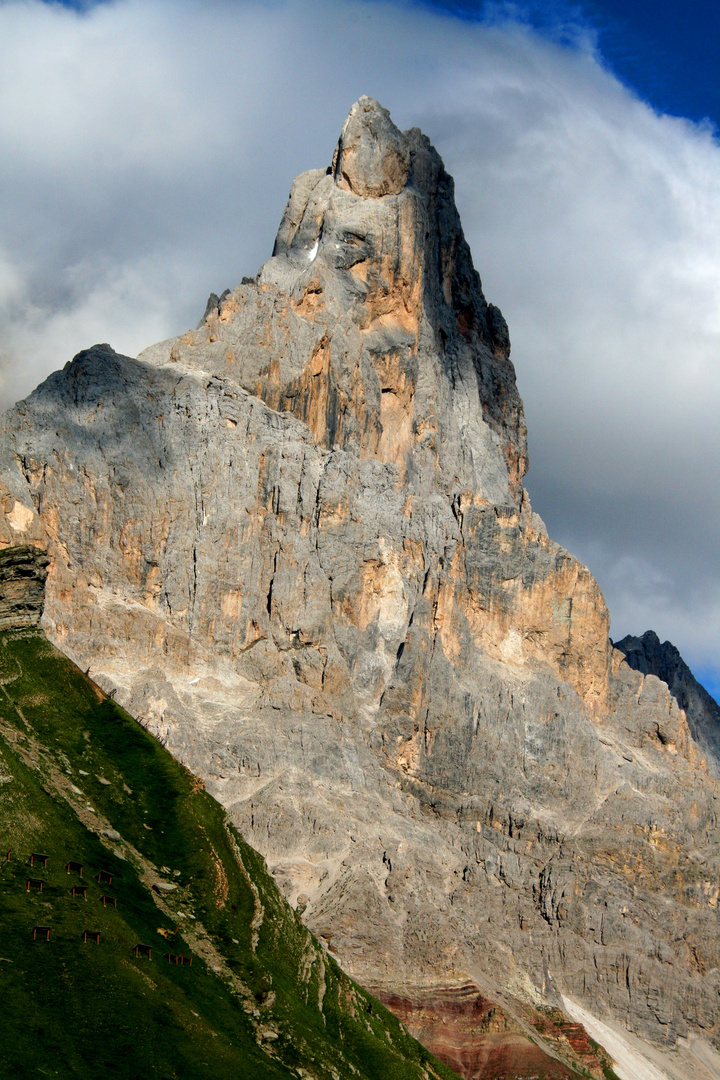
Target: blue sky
pixel 146 152
pixel 667 51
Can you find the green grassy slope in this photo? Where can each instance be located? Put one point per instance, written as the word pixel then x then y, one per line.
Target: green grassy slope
pixel 262 999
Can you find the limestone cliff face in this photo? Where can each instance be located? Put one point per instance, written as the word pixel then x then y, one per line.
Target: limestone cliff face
pixel 296 543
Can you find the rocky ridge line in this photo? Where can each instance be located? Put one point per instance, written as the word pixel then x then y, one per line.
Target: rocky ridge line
pixel 647 655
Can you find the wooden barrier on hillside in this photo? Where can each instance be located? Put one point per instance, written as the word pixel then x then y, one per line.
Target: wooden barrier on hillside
pixel 178 960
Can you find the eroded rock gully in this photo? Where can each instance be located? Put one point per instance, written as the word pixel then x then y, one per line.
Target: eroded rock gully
pixel 296 544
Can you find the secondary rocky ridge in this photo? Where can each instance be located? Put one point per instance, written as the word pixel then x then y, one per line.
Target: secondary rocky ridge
pixel 295 542
pixel 646 655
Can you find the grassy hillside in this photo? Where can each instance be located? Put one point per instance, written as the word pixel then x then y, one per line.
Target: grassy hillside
pixel 82 782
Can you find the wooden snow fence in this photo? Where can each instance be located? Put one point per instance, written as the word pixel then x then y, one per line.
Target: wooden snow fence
pixel 178 959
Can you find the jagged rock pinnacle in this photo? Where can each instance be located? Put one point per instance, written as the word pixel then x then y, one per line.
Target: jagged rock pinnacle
pixel 646 655
pixel 372 257
pixel 372 157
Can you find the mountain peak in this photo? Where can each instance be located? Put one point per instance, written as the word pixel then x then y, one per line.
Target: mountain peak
pixel 372 158
pixel 649 656
pixel 391 346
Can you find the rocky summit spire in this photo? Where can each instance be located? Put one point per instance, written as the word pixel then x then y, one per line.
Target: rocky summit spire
pixel 388 343
pixel 369 325
pixel 372 157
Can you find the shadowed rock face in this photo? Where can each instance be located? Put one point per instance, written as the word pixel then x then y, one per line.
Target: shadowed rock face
pixel 647 655
pixel 23 570
pixel 296 543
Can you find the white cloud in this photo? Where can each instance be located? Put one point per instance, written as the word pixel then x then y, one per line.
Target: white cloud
pixel 146 150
